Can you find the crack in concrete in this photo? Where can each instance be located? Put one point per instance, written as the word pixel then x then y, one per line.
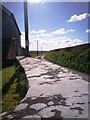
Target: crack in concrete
pixel 78 108
pixel 56 101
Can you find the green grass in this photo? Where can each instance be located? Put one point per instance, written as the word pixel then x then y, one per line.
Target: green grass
pixel 34 54
pixel 73 57
pixel 14 85
pixel 7 74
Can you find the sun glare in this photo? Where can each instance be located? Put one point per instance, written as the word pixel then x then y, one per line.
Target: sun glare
pixel 34 1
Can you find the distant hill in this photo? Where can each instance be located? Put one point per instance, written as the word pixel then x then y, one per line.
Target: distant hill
pixel 77 57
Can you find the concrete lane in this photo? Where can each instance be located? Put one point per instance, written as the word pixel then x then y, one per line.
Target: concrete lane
pixel 54 92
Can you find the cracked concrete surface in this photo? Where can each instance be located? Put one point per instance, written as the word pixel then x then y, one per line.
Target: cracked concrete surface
pixel 54 92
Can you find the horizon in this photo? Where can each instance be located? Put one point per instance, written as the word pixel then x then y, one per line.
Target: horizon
pixel 58 48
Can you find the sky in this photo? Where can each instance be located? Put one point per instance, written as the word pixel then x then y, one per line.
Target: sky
pixel 53 24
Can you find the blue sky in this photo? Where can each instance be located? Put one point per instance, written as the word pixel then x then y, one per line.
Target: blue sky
pixel 53 24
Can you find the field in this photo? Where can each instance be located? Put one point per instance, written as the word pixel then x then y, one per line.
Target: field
pixel 34 54
pixel 76 58
pixel 14 84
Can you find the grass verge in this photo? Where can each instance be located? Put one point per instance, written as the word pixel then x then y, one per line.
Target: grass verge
pixel 34 54
pixel 14 84
pixel 76 58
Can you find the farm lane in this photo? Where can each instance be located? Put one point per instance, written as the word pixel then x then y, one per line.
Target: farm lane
pixel 54 92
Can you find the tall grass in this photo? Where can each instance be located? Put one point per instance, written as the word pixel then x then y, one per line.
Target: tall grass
pixel 73 57
pixel 34 54
pixel 14 84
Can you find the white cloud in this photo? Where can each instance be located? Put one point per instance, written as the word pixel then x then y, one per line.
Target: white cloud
pixel 88 30
pixel 49 40
pixel 78 17
pixel 34 1
pixel 37 32
pixel 71 30
pixel 23 39
pixel 88 15
pixel 62 31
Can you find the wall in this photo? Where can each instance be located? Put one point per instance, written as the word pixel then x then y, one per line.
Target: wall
pixel 10 37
